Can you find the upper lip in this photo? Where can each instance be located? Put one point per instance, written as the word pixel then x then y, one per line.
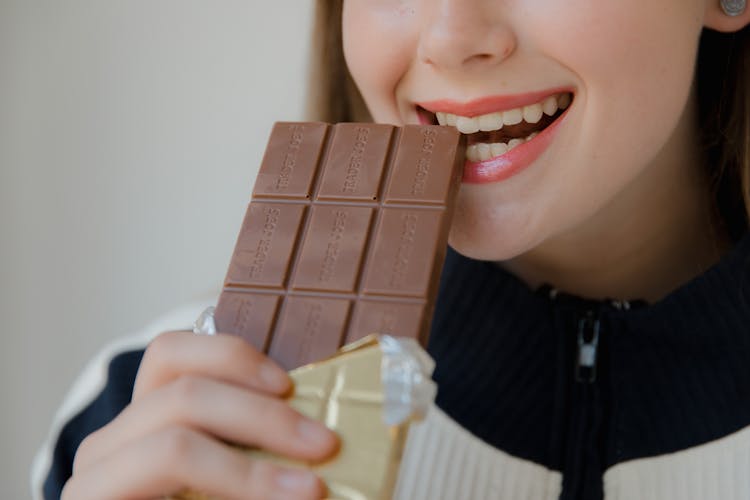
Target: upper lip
pixel 489 104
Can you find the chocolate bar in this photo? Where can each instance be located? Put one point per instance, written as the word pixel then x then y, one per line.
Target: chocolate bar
pixel 345 236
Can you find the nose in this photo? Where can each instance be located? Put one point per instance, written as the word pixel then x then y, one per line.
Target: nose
pixel 464 34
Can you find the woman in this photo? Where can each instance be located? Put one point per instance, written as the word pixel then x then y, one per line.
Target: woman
pixel 591 336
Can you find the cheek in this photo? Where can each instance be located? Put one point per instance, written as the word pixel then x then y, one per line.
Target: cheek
pixel 379 39
pixel 639 71
pixel 633 85
pixel 636 83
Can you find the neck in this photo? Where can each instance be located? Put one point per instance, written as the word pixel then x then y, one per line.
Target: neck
pixel 657 234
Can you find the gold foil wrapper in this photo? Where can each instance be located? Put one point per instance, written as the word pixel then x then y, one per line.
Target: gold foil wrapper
pixel 346 392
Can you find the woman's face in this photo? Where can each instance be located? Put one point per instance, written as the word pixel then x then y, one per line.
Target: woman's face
pixel 627 66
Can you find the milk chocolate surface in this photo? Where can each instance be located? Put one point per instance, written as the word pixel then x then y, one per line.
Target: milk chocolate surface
pixel 345 236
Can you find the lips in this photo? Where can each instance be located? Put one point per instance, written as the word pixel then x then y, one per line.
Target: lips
pixel 489 104
pixel 496 126
pixel 503 166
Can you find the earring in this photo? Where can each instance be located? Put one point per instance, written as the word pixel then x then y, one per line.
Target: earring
pixel 733 7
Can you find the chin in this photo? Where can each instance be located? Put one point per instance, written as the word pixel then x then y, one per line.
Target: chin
pixel 482 231
pixel 480 245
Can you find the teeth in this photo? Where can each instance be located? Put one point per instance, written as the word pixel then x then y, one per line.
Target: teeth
pixel 472 153
pixel 550 105
pixel 512 116
pixel 467 125
pixel 564 101
pixel 490 122
pixel 482 151
pixel 495 121
pixel 498 148
pixel 533 113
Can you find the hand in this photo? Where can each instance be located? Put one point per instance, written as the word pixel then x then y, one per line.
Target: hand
pixel 192 395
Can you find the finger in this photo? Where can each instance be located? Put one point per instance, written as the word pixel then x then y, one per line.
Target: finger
pixel 170 460
pixel 228 412
pixel 221 356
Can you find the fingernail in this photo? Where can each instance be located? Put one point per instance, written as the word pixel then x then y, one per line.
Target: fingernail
pixel 273 377
pixel 313 432
pixel 295 481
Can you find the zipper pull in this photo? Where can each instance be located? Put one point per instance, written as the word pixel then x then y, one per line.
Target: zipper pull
pixel 587 348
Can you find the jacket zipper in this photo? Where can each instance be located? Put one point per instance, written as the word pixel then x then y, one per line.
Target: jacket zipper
pixel 587 348
pixel 585 378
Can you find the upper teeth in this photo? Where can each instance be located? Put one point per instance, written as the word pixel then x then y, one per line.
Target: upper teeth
pixel 495 121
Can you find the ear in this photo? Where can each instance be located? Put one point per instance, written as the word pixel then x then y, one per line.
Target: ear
pixel 716 19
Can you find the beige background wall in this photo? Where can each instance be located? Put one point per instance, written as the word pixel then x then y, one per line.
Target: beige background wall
pixel 130 132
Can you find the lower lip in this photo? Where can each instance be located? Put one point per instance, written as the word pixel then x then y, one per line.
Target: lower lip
pixel 514 161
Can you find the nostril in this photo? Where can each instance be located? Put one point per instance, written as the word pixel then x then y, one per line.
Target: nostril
pixel 481 58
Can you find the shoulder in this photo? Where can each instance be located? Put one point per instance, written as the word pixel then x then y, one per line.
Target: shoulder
pixel 102 389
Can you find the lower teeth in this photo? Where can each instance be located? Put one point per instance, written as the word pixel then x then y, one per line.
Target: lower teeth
pixel 483 151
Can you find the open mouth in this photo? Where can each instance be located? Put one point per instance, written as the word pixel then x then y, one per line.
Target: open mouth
pixel 494 134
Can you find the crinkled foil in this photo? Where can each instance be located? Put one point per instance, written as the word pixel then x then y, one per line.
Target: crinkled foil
pixel 368 393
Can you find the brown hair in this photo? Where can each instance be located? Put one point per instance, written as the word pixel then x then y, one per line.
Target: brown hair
pixel 723 84
pixel 722 81
pixel 332 95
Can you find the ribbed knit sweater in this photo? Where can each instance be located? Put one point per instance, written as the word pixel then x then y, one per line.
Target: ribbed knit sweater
pixel 543 395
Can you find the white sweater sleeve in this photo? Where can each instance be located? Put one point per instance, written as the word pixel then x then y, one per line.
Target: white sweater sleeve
pixel 93 378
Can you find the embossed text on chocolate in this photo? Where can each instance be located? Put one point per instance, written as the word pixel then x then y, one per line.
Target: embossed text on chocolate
pixel 424 162
pixel 264 244
pixel 405 247
pixel 344 236
pixel 355 160
pixel 387 322
pixel 240 319
pixel 290 158
pixel 332 250
pixel 312 326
